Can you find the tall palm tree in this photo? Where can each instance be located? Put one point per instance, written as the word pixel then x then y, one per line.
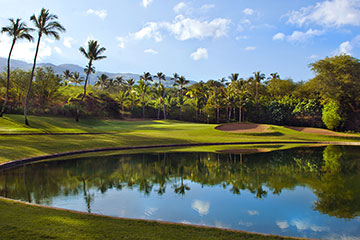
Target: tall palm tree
pixel 16 30
pixel 92 53
pixel 161 76
pixel 181 82
pixel 258 77
pixel 141 89
pixel 47 25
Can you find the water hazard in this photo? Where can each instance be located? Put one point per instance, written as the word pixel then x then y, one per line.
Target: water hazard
pixel 304 192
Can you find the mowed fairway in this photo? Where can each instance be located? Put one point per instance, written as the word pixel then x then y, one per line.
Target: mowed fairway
pixel 114 133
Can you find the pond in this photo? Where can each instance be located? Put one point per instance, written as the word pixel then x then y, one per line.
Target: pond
pixel 304 192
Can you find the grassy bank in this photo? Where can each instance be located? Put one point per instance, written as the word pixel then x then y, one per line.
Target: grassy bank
pixel 123 133
pixel 21 221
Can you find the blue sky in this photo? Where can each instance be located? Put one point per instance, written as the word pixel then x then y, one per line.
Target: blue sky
pixel 200 39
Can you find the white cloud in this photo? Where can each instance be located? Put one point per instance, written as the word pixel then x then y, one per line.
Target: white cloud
pixel 206 7
pixel 151 51
pixel 253 212
pixel 99 13
pixel 250 48
pixel 58 50
pixel 245 224
pixel 121 41
pixel 245 23
pixel 67 42
pixel 314 56
pixel 183 28
pixel 201 207
pixel 282 224
pixel 298 36
pixel 23 50
pixel 319 228
pixel 279 36
pixel 201 53
pixel 146 2
pixel 248 11
pixel 345 48
pixel 328 13
pixel 179 7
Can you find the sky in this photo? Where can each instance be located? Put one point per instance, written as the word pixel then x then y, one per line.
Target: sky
pixel 200 39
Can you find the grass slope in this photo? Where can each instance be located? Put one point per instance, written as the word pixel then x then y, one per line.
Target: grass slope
pixel 124 133
pixel 21 221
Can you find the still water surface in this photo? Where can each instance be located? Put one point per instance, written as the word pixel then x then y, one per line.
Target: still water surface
pixel 303 192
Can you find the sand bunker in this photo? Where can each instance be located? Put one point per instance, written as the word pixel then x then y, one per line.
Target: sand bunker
pixel 319 131
pixel 244 128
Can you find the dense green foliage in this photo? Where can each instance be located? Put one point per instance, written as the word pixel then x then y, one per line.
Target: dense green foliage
pixel 274 101
pixel 331 116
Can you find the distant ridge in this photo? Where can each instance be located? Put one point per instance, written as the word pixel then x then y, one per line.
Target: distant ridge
pixel 74 68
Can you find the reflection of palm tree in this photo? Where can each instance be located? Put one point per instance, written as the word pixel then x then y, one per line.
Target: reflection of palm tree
pixel 182 188
pixel 89 198
pixel 161 76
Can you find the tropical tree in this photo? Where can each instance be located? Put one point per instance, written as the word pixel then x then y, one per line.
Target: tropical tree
pixel 75 78
pixel 67 76
pixel 234 77
pixel 161 76
pixel 258 77
pixel 92 53
pixel 102 81
pixel 45 24
pixel 181 82
pixel 17 30
pixel 142 88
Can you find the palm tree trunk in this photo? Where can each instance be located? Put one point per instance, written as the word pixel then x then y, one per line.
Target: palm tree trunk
pixel 256 94
pixel 31 80
pixel 217 115
pixel 85 85
pixel 143 106
pixel 240 108
pixel 159 110
pixel 164 110
pixel 8 80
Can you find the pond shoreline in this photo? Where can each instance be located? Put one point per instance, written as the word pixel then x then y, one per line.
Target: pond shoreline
pixel 23 161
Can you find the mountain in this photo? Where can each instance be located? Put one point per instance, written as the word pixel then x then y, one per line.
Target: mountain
pixel 74 68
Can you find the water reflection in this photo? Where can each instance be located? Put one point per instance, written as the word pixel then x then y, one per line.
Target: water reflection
pixel 331 173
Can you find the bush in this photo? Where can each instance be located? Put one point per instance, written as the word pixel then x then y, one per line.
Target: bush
pixel 330 115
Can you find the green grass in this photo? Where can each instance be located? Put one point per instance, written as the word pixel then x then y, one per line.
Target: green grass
pixel 20 221
pixel 124 133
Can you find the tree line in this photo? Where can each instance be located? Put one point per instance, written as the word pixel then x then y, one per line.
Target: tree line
pixel 330 99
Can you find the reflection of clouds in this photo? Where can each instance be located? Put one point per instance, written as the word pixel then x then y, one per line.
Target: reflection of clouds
pixel 185 222
pixel 319 228
pixel 305 224
pixel 348 238
pixel 253 212
pixel 201 207
pixel 282 224
pixel 300 224
pixel 150 211
pixel 221 225
pixel 245 224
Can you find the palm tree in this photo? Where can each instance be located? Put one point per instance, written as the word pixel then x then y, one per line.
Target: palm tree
pixel 258 77
pixel 161 76
pixel 142 88
pixel 181 82
pixel 16 30
pixel 146 78
pixel 75 78
pixel 234 77
pixel 102 81
pixel 93 53
pixel 67 76
pixel 47 25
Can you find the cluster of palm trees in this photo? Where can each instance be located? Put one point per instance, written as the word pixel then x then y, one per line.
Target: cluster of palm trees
pixel 46 24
